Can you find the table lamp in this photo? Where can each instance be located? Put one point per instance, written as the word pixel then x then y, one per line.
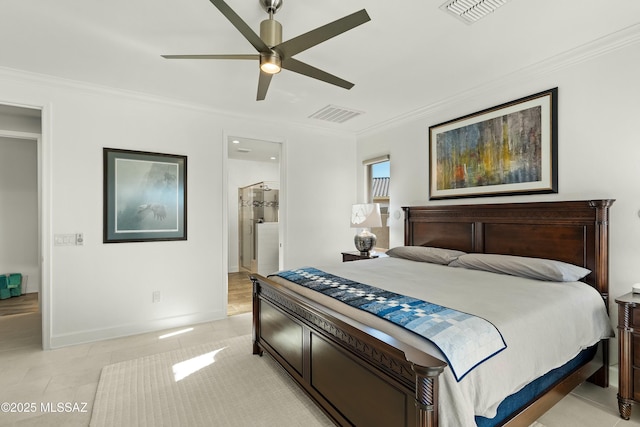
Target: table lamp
pixel 365 216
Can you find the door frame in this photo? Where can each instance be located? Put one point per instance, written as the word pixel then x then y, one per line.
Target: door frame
pixel 44 215
pixel 282 217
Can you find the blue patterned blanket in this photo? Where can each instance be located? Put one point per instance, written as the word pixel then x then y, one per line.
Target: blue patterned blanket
pixel 465 340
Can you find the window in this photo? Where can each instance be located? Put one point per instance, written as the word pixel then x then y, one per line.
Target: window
pixel 377 179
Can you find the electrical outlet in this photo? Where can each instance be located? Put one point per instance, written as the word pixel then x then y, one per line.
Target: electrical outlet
pixel 155 296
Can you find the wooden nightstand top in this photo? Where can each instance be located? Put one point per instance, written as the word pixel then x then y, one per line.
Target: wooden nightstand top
pixel 355 256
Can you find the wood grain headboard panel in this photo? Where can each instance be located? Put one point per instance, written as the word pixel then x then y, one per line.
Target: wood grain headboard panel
pixel 571 231
pixel 451 235
pixel 533 240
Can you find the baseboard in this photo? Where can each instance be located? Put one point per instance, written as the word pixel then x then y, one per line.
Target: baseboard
pixel 82 337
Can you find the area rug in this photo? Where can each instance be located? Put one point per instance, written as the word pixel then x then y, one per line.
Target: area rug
pixel 218 384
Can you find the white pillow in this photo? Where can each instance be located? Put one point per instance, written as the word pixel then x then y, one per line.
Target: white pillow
pixel 532 268
pixel 425 254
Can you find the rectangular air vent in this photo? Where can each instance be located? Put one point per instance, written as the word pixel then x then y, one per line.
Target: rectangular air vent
pixel 470 11
pixel 332 113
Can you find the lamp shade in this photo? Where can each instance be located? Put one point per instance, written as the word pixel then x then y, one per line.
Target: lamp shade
pixel 366 215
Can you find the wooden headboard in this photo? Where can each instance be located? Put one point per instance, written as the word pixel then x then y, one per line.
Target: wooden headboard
pixel 571 231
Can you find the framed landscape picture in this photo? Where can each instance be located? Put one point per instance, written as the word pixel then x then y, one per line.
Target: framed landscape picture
pixel 504 150
pixel 145 196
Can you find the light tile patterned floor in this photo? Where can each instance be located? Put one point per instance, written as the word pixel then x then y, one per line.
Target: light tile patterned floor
pixel 28 374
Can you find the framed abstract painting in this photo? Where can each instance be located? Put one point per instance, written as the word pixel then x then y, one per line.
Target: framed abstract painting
pixel 504 150
pixel 145 196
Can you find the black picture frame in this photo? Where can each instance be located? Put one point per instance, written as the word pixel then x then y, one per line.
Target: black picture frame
pixel 508 149
pixel 145 196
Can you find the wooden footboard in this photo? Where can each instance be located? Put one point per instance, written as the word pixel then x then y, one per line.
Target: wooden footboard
pixel 357 375
pixel 361 376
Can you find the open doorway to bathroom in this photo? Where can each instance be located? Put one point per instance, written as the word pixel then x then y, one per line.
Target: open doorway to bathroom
pixel 254 220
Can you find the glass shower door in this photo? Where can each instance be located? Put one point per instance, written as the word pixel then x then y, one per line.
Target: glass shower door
pixel 258 203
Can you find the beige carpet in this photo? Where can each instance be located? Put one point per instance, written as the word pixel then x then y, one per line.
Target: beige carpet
pixel 220 384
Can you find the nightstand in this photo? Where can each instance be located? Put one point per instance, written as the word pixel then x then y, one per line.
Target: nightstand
pixel 356 256
pixel 628 352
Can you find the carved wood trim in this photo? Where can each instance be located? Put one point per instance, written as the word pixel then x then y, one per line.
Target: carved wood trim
pixel 426 389
pixel 625 355
pixel 396 367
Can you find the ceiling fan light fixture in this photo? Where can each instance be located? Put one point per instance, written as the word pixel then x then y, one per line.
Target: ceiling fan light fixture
pixel 270 64
pixel 273 54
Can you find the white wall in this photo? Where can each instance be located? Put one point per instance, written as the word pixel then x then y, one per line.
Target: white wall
pixel 599 152
pixel 19 211
pixel 101 290
pixel 320 182
pixel 241 174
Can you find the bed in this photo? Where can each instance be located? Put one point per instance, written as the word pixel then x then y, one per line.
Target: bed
pixel 361 372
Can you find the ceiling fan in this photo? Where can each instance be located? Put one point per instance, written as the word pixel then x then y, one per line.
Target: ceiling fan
pixel 273 53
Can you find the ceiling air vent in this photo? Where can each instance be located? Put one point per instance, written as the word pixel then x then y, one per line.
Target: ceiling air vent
pixel 332 113
pixel 470 11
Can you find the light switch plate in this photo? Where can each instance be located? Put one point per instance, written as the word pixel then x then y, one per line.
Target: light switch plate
pixel 64 240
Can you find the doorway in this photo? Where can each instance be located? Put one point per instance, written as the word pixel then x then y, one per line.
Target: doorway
pixel 20 217
pixel 254 223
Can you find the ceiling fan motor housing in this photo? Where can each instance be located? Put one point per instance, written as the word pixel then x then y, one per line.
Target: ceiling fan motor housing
pixel 271 32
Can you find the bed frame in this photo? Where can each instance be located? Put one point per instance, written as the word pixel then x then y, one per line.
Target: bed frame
pixel 361 376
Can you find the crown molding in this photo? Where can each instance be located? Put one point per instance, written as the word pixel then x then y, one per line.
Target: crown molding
pixel 48 81
pixel 618 40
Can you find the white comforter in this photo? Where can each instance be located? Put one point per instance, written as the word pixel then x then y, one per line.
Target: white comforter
pixel 544 324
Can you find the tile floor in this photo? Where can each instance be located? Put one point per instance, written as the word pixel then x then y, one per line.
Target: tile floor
pixel 29 375
pixel 70 375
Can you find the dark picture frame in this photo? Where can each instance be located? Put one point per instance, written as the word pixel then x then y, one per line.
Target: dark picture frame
pixel 508 149
pixel 145 196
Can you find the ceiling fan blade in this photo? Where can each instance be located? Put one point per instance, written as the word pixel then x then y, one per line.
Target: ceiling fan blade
pixel 263 85
pixel 313 72
pixel 303 42
pixel 250 56
pixel 241 26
